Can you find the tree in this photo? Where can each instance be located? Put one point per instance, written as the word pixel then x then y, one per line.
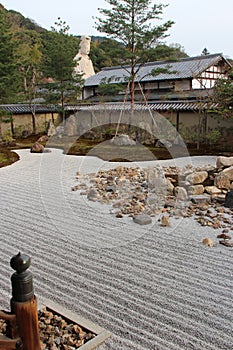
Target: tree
pixel 103 53
pixel 59 65
pixel 29 57
pixel 223 95
pixel 9 82
pixel 131 22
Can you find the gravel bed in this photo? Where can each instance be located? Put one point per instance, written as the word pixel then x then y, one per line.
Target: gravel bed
pixel 152 287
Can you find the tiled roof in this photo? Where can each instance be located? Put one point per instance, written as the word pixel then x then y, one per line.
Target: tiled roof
pixel 25 108
pixel 156 106
pixel 184 68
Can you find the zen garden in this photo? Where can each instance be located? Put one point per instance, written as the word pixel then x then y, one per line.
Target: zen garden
pixel 116 176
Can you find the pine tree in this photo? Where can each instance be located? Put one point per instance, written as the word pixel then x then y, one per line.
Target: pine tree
pixel 132 23
pixel 60 66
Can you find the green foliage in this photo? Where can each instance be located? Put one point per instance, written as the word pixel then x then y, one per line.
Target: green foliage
pixel 5 116
pixel 223 95
pixel 132 23
pixel 105 53
pixel 8 67
pixel 213 136
pixel 105 89
pixel 59 49
pixel 67 85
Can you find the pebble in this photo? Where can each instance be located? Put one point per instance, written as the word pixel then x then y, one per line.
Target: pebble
pixel 208 242
pixel 142 219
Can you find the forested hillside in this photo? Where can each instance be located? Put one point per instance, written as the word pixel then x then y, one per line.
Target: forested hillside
pixel 30 54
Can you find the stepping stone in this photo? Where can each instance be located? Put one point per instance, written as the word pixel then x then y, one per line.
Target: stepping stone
pixel 142 219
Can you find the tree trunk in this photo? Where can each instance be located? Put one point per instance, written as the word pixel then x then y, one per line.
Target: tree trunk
pixel 34 122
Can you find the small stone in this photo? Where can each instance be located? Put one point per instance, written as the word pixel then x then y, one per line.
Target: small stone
pixel 181 193
pixel 197 177
pixel 196 190
pixel 142 219
pixel 212 190
pixel 92 195
pixel 220 198
pixel 165 220
pixel 223 236
pixel 203 198
pixel 208 242
pixel 227 243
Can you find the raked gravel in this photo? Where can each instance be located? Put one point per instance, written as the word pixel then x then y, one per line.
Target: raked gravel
pixel 152 287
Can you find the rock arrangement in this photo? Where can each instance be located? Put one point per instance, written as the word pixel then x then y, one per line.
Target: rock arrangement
pixel 145 193
pixel 56 333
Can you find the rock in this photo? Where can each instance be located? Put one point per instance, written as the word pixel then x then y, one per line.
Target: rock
pixel 122 140
pixel 197 177
pixel 222 181
pixel 228 172
pixel 92 195
pixel 60 131
pixel 165 220
pixel 181 193
pixel 224 161
pixel 43 138
pixel 223 236
pixel 71 126
pixel 156 179
pixel 163 143
pixel 204 198
pixel 227 243
pixel 142 219
pixel 51 129
pixel 212 190
pixel 196 189
pixel 37 148
pixel 220 198
pixel 208 242
pixel 229 199
pixel 169 186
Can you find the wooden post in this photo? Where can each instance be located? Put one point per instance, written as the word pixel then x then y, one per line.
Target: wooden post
pixel 24 304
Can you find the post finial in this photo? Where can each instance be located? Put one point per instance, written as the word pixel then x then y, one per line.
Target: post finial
pixel 20 262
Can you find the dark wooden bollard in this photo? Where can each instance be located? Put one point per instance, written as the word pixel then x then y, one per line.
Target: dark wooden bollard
pixel 24 304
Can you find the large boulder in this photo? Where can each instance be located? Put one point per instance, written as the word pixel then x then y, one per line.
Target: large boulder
pixel 51 129
pixel 71 126
pixel 37 148
pixel 222 181
pixel 122 140
pixel 224 161
pixel 228 172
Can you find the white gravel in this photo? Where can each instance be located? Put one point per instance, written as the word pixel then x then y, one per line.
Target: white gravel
pixel 152 287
